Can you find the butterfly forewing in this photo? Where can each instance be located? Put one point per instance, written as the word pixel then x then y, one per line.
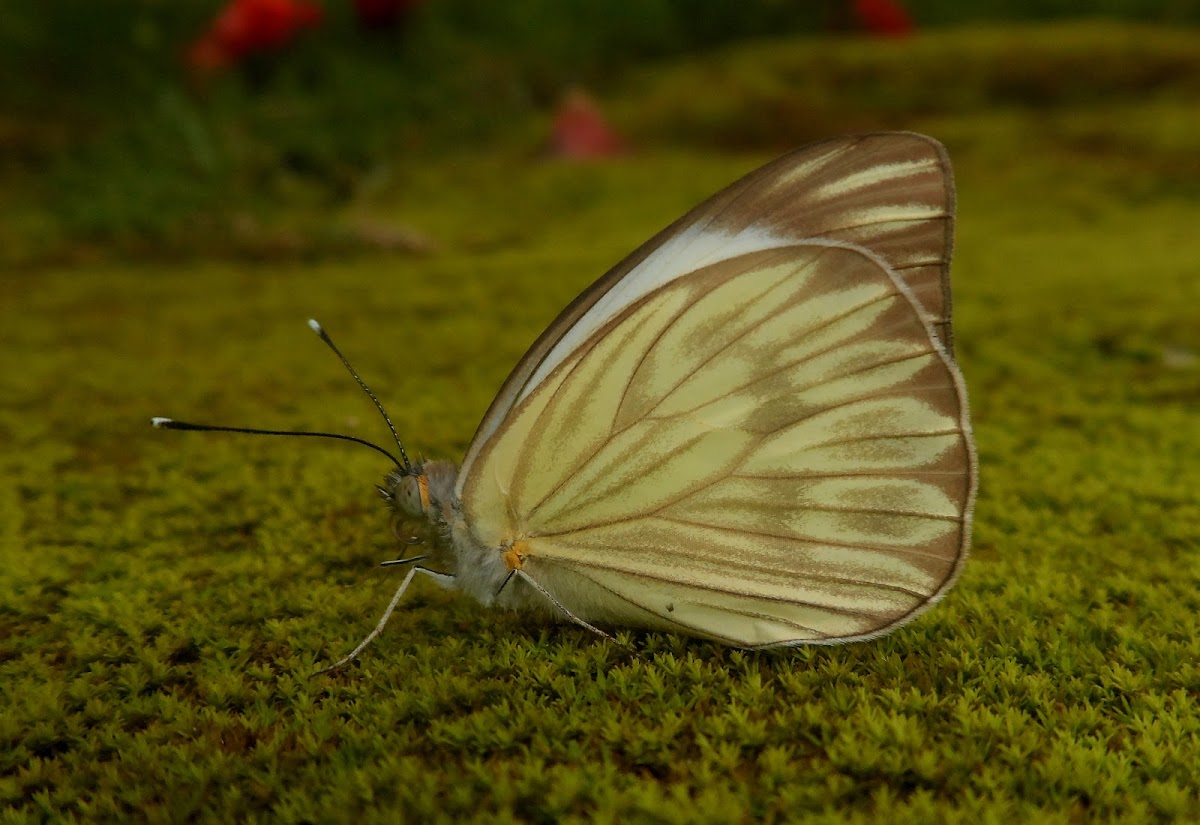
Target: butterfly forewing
pixel 890 193
pixel 770 449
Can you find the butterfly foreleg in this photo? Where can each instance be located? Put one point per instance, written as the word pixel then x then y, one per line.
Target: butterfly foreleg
pixel 444 579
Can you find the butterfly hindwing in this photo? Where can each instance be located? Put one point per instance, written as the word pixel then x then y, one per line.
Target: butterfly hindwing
pixel 769 449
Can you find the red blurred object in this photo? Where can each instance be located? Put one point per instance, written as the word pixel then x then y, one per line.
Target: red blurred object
pixel 883 17
pixel 245 27
pixel 383 14
pixel 581 131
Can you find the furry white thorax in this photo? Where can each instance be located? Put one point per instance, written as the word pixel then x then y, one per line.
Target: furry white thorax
pixel 477 570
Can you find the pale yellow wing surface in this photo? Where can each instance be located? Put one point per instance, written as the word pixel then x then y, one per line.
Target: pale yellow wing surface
pixel 891 193
pixel 772 449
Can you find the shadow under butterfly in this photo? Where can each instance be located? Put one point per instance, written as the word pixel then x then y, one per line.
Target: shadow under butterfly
pixel 751 430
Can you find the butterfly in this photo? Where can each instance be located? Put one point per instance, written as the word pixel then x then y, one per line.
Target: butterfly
pixel 751 430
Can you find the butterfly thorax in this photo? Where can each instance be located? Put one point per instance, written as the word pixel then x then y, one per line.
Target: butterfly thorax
pixel 427 490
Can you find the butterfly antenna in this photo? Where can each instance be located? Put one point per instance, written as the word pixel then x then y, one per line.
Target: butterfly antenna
pixel 324 336
pixel 172 424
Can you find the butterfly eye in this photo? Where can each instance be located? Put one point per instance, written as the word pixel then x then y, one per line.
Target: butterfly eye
pixel 412 496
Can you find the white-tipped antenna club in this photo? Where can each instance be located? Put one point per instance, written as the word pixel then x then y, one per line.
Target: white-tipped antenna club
pixel 324 336
pixel 161 423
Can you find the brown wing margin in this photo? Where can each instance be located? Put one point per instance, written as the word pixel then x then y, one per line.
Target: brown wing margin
pixel 798 196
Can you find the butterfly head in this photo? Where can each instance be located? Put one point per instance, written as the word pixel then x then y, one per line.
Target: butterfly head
pixel 425 489
pixel 408 491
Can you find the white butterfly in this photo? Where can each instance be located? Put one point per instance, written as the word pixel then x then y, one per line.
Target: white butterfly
pixel 750 430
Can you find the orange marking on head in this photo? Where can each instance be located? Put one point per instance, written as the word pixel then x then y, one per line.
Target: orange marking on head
pixel 514 558
pixel 423 488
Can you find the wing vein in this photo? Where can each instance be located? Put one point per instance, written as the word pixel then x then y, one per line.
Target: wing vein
pixel 858 474
pixel 907 391
pixel 886 436
pixel 672 620
pixel 773 314
pixel 715 588
pixel 588 456
pixel 666 328
pixel 774 372
pixel 908 551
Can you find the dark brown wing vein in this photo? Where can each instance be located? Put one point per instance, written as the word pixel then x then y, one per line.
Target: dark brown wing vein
pixel 679 623
pixel 671 324
pixel 887 548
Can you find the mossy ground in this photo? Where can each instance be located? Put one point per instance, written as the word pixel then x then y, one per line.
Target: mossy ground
pixel 165 597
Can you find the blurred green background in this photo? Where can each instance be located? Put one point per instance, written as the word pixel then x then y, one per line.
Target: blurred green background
pixel 166 597
pixel 107 140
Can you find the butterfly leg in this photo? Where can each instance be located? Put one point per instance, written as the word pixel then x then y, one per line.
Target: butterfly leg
pixel 395 562
pixel 444 579
pixel 527 578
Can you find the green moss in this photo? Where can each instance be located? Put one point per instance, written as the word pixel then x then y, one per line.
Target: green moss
pixel 165 597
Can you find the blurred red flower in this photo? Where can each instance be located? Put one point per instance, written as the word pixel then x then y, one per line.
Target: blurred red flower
pixel 883 17
pixel 245 27
pixel 580 131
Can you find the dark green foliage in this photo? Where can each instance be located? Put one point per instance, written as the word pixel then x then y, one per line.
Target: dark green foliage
pixel 165 597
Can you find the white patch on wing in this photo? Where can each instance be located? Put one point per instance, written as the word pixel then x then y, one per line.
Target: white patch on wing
pixel 891 212
pixel 800 170
pixel 871 176
pixel 691 249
